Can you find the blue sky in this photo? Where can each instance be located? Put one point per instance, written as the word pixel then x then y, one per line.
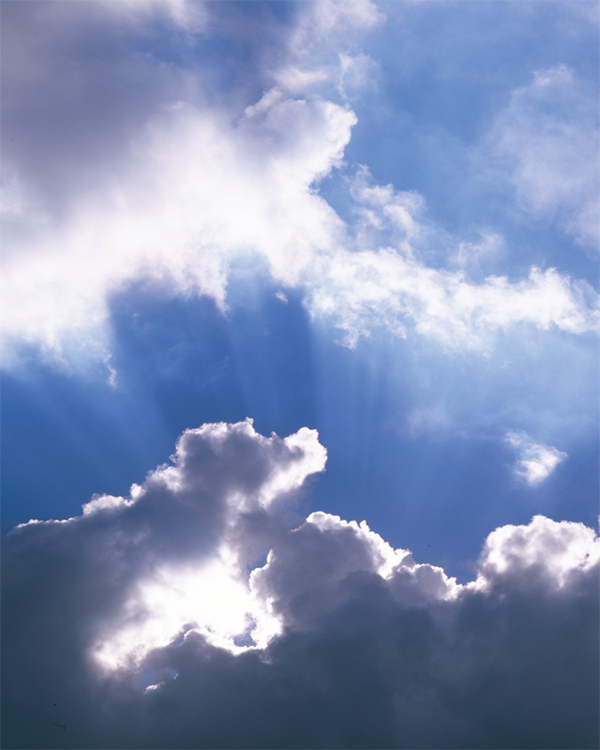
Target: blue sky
pixel 370 228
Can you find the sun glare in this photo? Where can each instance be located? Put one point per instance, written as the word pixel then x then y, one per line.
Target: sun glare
pixel 175 601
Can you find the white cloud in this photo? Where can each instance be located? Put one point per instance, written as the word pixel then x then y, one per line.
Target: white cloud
pixel 385 212
pixel 198 190
pixel 471 255
pixel 194 192
pixel 548 136
pixel 319 21
pixel 145 621
pixel 311 56
pixel 536 461
pixel 356 72
pixel 554 551
pixel 367 290
pixel 181 188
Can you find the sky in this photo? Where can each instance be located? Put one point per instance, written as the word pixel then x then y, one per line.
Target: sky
pixel 300 374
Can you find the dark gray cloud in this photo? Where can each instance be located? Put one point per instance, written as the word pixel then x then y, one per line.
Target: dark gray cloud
pixel 110 628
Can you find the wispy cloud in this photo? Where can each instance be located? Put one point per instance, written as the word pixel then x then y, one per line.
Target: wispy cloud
pixel 536 461
pixel 365 291
pixel 548 135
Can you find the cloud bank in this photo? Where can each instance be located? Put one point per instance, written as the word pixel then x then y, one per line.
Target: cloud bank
pixel 156 621
pixel 168 186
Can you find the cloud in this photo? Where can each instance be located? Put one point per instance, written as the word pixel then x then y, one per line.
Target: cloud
pixel 311 60
pixel 166 187
pixel 190 529
pixel 165 218
pixel 536 461
pixel 473 254
pixel 370 290
pixel 121 170
pixel 356 72
pixel 319 21
pixel 548 136
pixel 121 623
pixel 544 548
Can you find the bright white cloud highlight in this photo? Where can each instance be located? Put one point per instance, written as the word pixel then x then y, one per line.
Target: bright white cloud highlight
pixel 536 461
pixel 196 192
pixel 555 551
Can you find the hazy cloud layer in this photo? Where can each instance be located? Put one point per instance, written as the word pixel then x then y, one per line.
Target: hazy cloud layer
pixel 149 621
pixel 548 135
pixel 124 168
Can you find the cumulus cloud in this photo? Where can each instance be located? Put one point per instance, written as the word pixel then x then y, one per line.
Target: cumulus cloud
pixel 204 518
pixel 150 621
pixel 536 461
pixel 544 548
pixel 548 135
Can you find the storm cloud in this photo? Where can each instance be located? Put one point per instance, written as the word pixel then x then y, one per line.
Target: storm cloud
pixel 156 620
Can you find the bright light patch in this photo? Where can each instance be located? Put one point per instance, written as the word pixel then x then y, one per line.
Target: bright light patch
pixel 175 601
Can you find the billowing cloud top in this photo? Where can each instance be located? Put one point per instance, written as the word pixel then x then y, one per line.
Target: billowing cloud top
pixel 162 620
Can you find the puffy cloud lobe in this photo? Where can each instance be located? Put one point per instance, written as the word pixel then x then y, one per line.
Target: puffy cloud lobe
pixel 303 572
pixel 214 511
pixel 556 552
pixel 365 645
